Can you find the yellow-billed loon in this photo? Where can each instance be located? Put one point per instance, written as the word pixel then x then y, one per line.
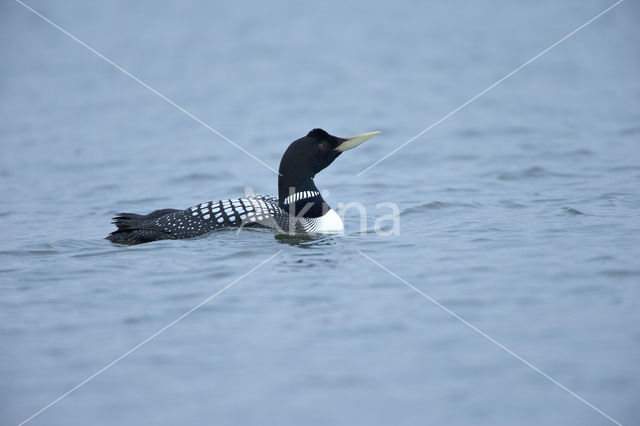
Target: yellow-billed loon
pixel 298 208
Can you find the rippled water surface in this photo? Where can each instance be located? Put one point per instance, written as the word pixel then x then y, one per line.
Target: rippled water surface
pixel 519 213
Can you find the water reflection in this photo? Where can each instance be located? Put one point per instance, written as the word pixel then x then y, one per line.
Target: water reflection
pixel 306 240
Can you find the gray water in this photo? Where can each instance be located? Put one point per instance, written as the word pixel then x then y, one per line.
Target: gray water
pixel 519 213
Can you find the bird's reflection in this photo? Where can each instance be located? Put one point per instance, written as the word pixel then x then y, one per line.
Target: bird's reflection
pixel 305 240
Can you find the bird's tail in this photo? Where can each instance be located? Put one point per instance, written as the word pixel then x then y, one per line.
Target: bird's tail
pixel 135 228
pixel 126 221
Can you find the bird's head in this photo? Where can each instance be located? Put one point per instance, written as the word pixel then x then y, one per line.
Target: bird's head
pixel 317 150
pixel 307 156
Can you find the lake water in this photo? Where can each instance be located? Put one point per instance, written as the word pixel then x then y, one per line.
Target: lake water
pixel 519 213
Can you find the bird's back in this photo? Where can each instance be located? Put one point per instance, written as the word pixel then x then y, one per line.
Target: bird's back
pixel 258 210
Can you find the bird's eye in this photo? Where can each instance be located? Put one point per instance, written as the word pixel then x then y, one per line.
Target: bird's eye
pixel 321 145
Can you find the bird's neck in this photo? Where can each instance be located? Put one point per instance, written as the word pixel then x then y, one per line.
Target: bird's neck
pixel 301 198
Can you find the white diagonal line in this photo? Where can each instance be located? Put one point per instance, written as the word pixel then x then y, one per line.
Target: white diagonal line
pixel 491 339
pixel 163 329
pixel 128 74
pixel 492 86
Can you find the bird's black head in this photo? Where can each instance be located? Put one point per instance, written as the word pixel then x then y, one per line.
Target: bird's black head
pixel 309 155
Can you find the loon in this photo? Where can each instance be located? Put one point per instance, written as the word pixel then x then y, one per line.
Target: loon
pixel 298 208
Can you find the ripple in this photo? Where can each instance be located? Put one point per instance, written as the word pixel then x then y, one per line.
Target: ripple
pixel 581 152
pixel 625 168
pixel 27 252
pixel 630 131
pixel 74 244
pixel 573 212
pixel 518 130
pixel 196 177
pixel 601 258
pixel 470 133
pixel 436 205
pixel 132 320
pixel 548 200
pixel 105 187
pixel 621 272
pixel 512 204
pixel 141 200
pixel 611 195
pixel 461 157
pixel 313 300
pixel 449 189
pixel 587 289
pixel 202 159
pixel 529 173
pixel 239 254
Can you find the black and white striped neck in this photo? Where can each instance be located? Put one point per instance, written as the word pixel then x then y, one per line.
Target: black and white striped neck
pixel 300 196
pixel 306 203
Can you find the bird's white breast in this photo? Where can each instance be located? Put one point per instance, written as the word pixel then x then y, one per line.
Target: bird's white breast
pixel 329 223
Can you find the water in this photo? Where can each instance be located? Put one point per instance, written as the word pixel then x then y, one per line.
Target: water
pixel 519 213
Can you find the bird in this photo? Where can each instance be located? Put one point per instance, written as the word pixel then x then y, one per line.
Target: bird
pixel 298 209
